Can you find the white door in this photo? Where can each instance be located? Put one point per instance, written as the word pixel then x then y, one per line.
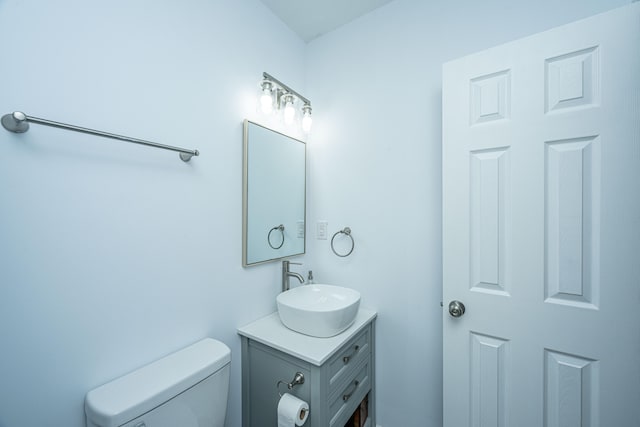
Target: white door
pixel 542 229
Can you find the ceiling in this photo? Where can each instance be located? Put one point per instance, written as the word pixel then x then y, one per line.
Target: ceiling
pixel 312 18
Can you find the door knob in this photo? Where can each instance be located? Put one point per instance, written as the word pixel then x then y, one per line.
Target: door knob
pixel 456 308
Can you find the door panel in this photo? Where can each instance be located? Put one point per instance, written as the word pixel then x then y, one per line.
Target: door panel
pixel 571 390
pixel 541 193
pixel 488 204
pixel 572 189
pixel 487 380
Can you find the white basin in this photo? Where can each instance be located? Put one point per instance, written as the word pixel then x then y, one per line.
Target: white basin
pixel 318 310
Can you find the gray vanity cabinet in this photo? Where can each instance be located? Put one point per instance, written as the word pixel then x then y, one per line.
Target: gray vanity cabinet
pixel 335 386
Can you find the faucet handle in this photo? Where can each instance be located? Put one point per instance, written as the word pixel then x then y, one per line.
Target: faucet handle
pixel 295 263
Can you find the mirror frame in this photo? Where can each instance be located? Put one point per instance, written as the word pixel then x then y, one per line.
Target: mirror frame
pixel 245 194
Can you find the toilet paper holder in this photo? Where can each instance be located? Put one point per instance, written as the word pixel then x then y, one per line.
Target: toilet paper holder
pixel 297 379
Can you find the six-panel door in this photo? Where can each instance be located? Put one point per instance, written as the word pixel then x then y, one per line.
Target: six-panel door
pixel 541 237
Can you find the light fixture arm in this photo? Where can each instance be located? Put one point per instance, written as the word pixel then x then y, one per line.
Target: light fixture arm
pixel 270 78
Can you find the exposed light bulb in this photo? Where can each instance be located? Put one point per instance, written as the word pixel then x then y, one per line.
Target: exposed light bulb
pixel 266 100
pixel 289 111
pixel 307 121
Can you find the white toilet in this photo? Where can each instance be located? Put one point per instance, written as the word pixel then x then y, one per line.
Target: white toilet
pixel 188 388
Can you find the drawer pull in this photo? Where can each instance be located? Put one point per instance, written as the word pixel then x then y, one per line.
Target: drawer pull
pixel 346 397
pixel 346 359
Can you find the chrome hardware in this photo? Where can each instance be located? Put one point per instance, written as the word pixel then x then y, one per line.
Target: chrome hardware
pixel 286 274
pixel 456 308
pixel 346 359
pixel 280 228
pixel 347 232
pixel 18 122
pixel 268 77
pixel 346 397
pixel 297 379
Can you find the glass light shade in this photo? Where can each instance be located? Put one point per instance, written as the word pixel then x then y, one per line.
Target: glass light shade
pixel 289 111
pixel 266 101
pixel 307 121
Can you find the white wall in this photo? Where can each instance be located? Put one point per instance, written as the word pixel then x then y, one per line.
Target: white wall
pixel 375 166
pixel 112 254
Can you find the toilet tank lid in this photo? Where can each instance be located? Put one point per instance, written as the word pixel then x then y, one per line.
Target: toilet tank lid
pixel 136 393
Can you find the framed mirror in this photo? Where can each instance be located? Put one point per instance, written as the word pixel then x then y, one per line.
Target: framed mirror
pixel 273 195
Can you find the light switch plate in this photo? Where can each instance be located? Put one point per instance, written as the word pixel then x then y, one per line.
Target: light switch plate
pixel 321 230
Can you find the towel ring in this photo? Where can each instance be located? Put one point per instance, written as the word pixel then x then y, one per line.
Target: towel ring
pixel 281 229
pixel 346 231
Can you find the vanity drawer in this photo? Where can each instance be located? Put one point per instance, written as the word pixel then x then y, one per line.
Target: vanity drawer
pixel 351 355
pixel 351 394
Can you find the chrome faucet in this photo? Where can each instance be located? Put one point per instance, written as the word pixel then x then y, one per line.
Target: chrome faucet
pixel 286 274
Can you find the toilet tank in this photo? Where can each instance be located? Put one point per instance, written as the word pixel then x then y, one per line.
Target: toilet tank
pixel 188 388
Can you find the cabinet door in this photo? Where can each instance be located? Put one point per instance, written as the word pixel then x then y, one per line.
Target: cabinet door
pixel 265 368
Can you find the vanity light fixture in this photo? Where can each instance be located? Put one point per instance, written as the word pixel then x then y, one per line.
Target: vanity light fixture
pixel 274 93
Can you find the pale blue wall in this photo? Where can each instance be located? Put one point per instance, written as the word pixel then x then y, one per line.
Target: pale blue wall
pixel 112 254
pixel 376 166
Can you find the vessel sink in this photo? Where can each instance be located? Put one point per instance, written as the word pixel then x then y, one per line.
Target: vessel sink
pixel 318 310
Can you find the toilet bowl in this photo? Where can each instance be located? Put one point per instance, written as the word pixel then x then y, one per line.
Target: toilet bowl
pixel 188 388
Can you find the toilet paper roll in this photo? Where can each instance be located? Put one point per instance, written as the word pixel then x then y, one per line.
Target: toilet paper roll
pixel 292 411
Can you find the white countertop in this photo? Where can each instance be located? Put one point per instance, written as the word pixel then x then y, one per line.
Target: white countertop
pixel 270 331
